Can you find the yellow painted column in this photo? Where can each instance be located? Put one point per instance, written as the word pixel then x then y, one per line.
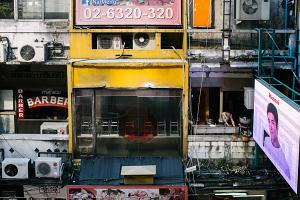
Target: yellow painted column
pixel 185 109
pixel 70 117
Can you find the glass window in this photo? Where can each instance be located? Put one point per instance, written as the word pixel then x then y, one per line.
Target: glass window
pixel 57 9
pixel 30 9
pixel 6 9
pixel 146 122
pixel 6 100
pixel 7 123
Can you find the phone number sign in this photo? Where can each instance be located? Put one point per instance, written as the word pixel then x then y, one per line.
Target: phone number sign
pixel 128 12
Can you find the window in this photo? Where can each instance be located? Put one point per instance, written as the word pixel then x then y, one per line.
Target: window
pixel 144 122
pixel 6 9
pixel 30 9
pixel 34 9
pixel 57 9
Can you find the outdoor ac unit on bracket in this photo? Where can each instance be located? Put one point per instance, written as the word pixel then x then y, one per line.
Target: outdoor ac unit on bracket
pixel 35 52
pixel 252 10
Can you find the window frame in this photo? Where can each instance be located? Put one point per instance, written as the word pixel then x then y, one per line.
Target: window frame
pixel 16 14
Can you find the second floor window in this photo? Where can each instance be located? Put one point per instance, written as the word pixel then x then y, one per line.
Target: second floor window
pixel 6 9
pixel 35 9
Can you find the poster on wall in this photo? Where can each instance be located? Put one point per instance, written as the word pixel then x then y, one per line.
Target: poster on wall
pixel 276 130
pixel 128 12
pixel 127 192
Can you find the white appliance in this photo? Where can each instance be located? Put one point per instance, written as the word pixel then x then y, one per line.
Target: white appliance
pixel 144 41
pixel 253 10
pixel 109 41
pixel 60 128
pixel 48 167
pixel 35 52
pixel 3 52
pixel 249 97
pixel 15 168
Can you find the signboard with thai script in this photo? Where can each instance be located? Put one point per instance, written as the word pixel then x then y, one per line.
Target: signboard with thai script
pixel 276 130
pixel 127 192
pixel 128 12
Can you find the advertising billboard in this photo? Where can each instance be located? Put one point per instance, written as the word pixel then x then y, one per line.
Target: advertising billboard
pixel 128 12
pixel 276 130
pixel 127 192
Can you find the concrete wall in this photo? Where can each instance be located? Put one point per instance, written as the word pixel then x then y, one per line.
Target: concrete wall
pixel 24 145
pixel 220 147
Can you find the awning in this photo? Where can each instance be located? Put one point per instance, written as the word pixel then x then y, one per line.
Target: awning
pixel 107 170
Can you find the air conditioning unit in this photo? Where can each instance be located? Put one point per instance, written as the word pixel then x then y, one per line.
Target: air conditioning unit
pixel 3 52
pixel 32 52
pixel 253 10
pixel 144 41
pixel 109 41
pixel 60 128
pixel 15 168
pixel 48 167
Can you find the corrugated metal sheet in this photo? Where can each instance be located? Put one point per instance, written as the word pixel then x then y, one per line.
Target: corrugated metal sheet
pixel 107 170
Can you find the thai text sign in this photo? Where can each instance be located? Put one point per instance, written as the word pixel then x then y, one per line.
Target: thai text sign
pixel 128 12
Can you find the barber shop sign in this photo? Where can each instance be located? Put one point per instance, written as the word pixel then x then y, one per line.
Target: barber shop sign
pixel 40 101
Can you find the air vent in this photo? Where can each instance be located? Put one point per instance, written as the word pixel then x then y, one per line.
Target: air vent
pixel 27 52
pixel 144 41
pixel 11 170
pixel 44 168
pixel 250 7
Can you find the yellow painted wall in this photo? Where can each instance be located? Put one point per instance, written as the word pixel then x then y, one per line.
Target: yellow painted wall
pixel 93 77
pixel 81 47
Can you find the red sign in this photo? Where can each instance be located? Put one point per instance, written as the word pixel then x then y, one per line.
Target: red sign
pixel 41 101
pixel 128 12
pixel 127 192
pixel 20 104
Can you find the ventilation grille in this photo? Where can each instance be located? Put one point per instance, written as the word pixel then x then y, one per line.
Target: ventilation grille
pixel 141 39
pixel 27 52
pixel 11 170
pixel 44 168
pixel 250 6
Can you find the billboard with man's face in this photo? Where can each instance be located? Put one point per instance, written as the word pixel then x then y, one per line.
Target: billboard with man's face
pixel 128 12
pixel 276 129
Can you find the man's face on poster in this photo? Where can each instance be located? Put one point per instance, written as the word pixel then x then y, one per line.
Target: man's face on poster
pixel 272 125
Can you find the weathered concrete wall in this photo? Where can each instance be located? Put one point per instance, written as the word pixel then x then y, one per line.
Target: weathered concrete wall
pixel 220 146
pixel 24 145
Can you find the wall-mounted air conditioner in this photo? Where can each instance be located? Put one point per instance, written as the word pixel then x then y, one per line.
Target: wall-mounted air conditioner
pixel 60 128
pixel 48 167
pixel 252 10
pixel 109 41
pixel 144 41
pixel 15 168
pixel 35 52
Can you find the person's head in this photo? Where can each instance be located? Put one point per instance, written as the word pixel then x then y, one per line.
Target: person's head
pixel 272 120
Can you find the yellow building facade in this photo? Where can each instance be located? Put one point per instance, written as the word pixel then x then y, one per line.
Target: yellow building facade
pixel 128 100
